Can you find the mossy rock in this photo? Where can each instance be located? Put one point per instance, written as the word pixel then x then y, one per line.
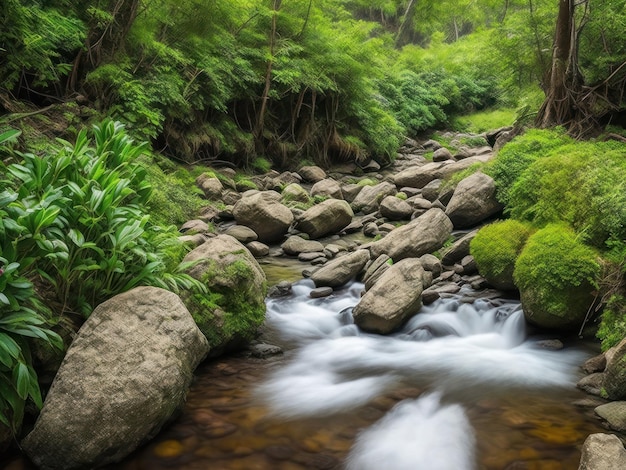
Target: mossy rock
pixel 556 275
pixel 234 307
pixel 496 248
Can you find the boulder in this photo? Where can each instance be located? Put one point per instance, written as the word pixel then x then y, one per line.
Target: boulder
pixel 394 298
pixel 339 271
pixel 123 377
pixel 296 245
pixel 258 249
pixel 395 208
pixel 423 235
pixel 350 191
pixel 442 154
pixel 327 187
pixel 234 307
pixel 312 174
pixel 474 200
pixel 369 198
pixel 602 452
pixel 211 187
pixel 194 226
pixel 242 233
pixel 614 413
pixel 327 217
pixel 614 382
pixel 262 212
pixel 458 250
pixel 294 193
pixel 417 176
pixel 376 269
pixel 431 190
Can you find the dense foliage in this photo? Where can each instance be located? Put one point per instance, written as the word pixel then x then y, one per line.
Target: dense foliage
pixel 74 223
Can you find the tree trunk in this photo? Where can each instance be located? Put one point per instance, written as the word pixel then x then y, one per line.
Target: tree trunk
pixel 406 23
pixel 562 87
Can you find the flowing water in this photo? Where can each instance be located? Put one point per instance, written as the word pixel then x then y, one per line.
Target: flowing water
pixel 461 386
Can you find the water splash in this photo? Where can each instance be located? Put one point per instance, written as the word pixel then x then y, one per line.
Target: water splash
pixel 450 345
pixel 417 434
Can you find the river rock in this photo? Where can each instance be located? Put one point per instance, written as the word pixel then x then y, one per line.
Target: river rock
pixel 615 373
pixel 376 269
pixel 458 250
pixel 614 414
pixel 430 192
pixel 327 187
pixel 423 235
pixel 234 307
pixel 296 245
pixel 431 263
pixel 320 292
pixel 242 233
pixel 258 249
pixel 194 226
pixel 294 193
pixel 602 452
pixel 339 271
pixel 312 174
pixel 442 154
pixel 474 201
pixel 592 383
pixel 123 377
pixel 395 208
pixel 264 214
pixel 350 191
pixel 369 198
pixel 327 217
pixel 394 298
pixel 595 364
pixel 211 187
pixel 417 176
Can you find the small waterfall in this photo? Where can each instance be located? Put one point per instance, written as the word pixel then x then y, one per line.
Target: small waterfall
pixel 461 350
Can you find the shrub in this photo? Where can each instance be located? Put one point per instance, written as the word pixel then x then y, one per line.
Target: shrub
pixel 496 248
pixel 556 275
pixel 613 324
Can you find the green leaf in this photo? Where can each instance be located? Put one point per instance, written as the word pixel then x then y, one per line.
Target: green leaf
pixel 77 237
pixel 11 134
pixel 21 378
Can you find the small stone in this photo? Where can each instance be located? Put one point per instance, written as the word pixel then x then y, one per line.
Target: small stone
pixel 592 383
pixel 320 292
pixel 614 413
pixel 282 289
pixel 263 350
pixel 550 344
pixel 258 249
pixel 595 364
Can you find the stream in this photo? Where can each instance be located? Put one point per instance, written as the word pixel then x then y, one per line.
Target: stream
pixel 461 386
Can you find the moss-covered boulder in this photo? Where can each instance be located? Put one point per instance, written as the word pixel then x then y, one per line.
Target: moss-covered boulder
pixel 556 275
pixel 234 307
pixel 496 248
pixel 614 382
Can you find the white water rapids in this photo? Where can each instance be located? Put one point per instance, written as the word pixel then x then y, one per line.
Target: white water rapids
pixel 457 351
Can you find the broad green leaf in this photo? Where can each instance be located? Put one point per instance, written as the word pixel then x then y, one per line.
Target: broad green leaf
pixel 21 378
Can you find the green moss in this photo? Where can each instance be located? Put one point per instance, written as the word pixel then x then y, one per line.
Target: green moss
pixel 233 308
pixel 556 274
pixel 613 323
pixel 402 196
pixel 485 120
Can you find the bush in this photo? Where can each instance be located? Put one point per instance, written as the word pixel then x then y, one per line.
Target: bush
pixel 613 324
pixel 496 248
pixel 556 275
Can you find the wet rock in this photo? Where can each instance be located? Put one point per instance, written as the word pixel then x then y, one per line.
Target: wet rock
pixel 595 364
pixel 614 414
pixel 423 235
pixel 550 344
pixel 592 383
pixel 474 201
pixel 339 271
pixel 327 217
pixel 263 350
pixel 282 289
pixel 263 213
pixel 393 299
pixel 123 377
pixel 308 257
pixel 320 292
pixel 602 452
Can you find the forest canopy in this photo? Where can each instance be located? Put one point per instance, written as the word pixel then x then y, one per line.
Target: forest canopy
pixel 294 80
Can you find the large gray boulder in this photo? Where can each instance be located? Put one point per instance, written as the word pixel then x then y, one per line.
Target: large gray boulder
pixel 602 452
pixel 124 376
pixel 340 271
pixel 423 235
pixel 369 198
pixel 417 176
pixel 312 173
pixel 230 313
pixel 395 297
pixel 327 217
pixel 263 213
pixel 614 382
pixel 474 200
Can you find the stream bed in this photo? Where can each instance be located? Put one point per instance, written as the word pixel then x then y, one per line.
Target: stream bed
pixel 461 386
